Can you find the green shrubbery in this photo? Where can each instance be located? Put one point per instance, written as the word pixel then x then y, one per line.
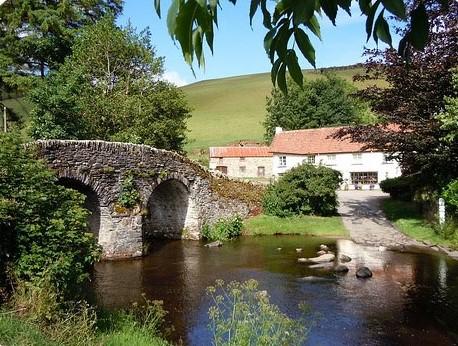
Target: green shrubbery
pixel 304 190
pixel 223 229
pixel 42 225
pixel 402 188
pixel 129 195
pixel 450 195
pixel 241 314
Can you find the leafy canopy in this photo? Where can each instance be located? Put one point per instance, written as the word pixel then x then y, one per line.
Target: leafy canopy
pixel 110 88
pixel 37 35
pixel 326 101
pixel 288 25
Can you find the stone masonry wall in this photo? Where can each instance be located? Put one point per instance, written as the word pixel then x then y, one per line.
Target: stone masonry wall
pixel 102 166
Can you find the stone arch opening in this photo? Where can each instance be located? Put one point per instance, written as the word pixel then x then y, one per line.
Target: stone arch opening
pixel 167 210
pixel 91 202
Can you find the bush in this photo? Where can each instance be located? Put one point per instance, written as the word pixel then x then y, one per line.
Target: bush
pixel 223 229
pixel 243 315
pixel 129 195
pixel 43 225
pixel 402 188
pixel 450 195
pixel 304 190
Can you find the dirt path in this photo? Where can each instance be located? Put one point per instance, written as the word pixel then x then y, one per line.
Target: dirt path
pixel 363 217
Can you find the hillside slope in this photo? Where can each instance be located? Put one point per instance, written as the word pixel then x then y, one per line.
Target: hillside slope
pixel 231 109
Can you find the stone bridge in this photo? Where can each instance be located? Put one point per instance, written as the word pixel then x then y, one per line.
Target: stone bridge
pixel 176 195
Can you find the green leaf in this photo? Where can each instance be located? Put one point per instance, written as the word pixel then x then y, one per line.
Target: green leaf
pixel 197 43
pixel 305 46
pixel 267 21
pixel 172 17
pixel 365 6
pixel 157 7
pixel 302 11
pixel 281 78
pixel 282 38
pixel 382 30
pixel 403 47
pixel 418 35
pixel 253 8
pixel 345 4
pixel 268 39
pixel 274 70
pixel 183 31
pixel 397 7
pixel 370 19
pixel 314 26
pixel 330 9
pixel 294 68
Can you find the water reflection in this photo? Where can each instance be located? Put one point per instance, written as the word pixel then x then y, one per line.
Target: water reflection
pixel 412 297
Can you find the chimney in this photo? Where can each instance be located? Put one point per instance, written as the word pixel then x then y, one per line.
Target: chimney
pixel 278 130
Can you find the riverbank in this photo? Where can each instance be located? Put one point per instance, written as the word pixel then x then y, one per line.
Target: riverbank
pixel 330 226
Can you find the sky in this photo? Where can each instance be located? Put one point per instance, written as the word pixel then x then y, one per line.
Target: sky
pixel 238 48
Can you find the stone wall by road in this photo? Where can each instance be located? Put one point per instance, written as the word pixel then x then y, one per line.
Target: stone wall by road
pixel 176 198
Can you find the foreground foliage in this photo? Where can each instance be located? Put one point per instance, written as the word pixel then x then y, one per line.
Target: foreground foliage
pixel 241 314
pixel 110 88
pixel 325 101
pixel 223 229
pixel 42 224
pixel 303 190
pixel 34 316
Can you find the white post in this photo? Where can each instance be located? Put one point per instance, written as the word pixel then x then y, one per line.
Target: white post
pixel 4 118
pixel 441 211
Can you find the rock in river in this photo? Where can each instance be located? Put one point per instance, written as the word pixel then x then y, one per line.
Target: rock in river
pixel 344 258
pixel 341 269
pixel 321 252
pixel 214 244
pixel 320 259
pixel 363 273
pixel 324 247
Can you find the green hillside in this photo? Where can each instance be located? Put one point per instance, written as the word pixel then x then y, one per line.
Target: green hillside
pixel 231 109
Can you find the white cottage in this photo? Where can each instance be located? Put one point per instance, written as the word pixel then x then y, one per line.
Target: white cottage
pixel 360 169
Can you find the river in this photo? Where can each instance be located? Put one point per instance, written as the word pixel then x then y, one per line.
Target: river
pixel 412 298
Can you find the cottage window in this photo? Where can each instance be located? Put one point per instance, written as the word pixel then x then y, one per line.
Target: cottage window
pixel 242 169
pixel 220 160
pixel 261 171
pixel 242 159
pixel 357 156
pixel 364 178
pixel 311 159
pixel 282 162
pixel 386 159
pixel 332 157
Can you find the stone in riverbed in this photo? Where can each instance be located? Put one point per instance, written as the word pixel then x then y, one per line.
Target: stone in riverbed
pixel 327 265
pixel 321 252
pixel 298 250
pixel 344 258
pixel 324 247
pixel 341 269
pixel 214 244
pixel 363 273
pixel 329 257
pixel 315 279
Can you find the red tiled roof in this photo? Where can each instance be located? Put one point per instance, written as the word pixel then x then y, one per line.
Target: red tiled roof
pixel 240 152
pixel 312 141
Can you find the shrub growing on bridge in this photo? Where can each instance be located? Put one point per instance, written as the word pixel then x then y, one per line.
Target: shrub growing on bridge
pixel 305 189
pixel 42 224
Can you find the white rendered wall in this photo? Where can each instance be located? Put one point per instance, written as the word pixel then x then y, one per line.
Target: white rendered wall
pixel 344 163
pixel 251 165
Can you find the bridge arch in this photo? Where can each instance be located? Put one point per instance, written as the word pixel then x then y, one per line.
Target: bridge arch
pixel 170 210
pixel 91 203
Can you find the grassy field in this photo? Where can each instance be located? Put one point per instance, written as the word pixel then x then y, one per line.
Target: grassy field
pixel 304 225
pixel 408 219
pixel 231 109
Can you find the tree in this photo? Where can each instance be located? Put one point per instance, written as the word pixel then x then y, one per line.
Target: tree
pixel 191 22
pixel 36 35
pixel 43 225
pixel 449 117
pixel 322 102
pixel 110 88
pixel 410 129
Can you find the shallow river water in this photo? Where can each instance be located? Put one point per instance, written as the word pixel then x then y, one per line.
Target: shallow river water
pixel 412 298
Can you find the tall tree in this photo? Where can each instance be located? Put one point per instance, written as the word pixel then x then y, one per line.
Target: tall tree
pixel 326 101
pixel 408 108
pixel 37 35
pixel 110 88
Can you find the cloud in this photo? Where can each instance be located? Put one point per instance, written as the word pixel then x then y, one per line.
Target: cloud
pixel 174 77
